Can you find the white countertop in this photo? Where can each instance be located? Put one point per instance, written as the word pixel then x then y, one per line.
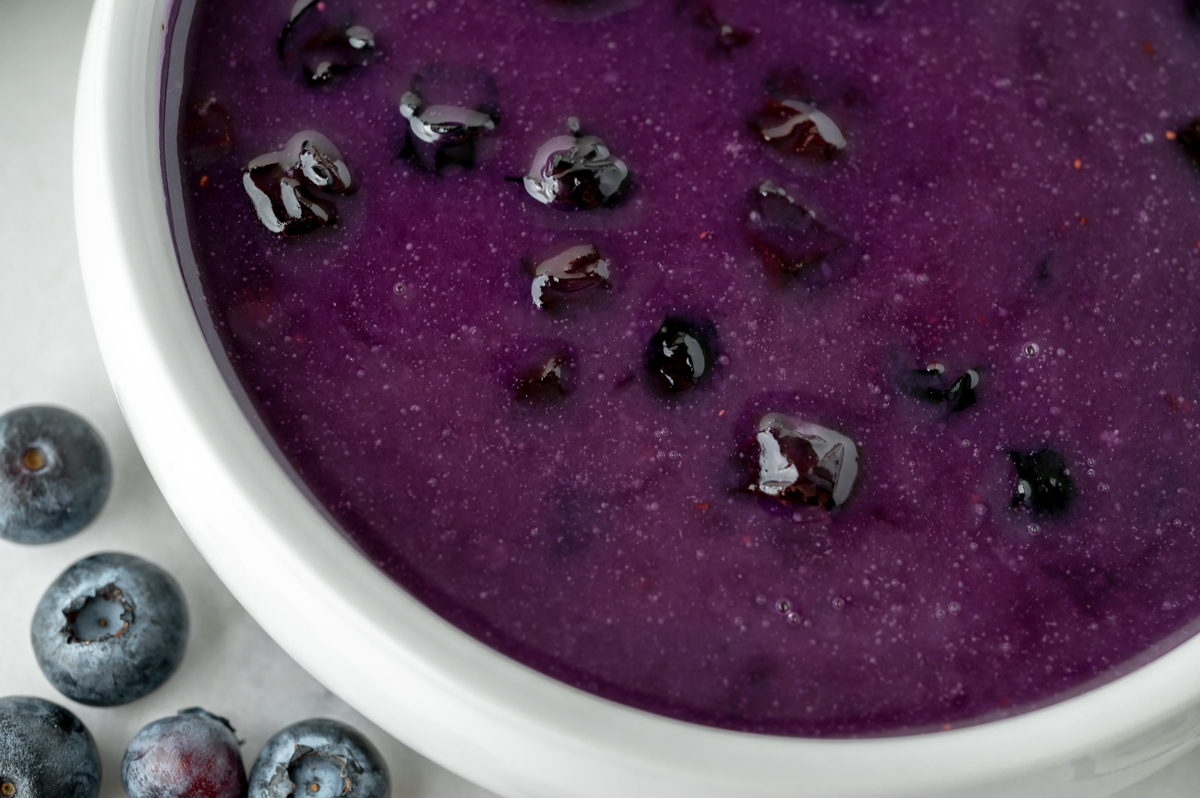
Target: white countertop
pixel 48 355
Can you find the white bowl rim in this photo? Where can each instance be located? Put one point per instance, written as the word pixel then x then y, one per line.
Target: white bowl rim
pixel 451 697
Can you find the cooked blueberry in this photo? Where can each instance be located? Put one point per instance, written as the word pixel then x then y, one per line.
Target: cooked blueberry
pixel 110 629
pixel 282 184
pixel 725 36
pixel 803 463
pixel 443 125
pixel 797 127
pixel 573 270
pixel 544 383
pixel 55 475
pixel 680 355
pixel 574 172
pixel 190 755
pixel 929 384
pixel 324 46
pixel 786 236
pixel 319 758
pixel 45 751
pixel 1044 483
pixel 207 134
pixel 1189 139
pixel 448 108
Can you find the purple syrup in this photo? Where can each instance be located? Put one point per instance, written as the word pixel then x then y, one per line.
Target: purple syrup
pixel 1007 202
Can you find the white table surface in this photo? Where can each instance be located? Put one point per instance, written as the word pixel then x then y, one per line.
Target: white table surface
pixel 48 354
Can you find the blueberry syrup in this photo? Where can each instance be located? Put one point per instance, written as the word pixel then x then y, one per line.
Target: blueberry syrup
pixel 813 528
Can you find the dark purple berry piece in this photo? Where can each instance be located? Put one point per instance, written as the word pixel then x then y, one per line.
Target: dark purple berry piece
pixel 569 272
pixel 1189 139
pixel 1193 7
pixel 929 384
pixel 544 384
pixel 45 751
pixel 443 125
pixel 803 463
pixel 110 629
pixel 319 758
pixel 207 134
pixel 680 355
pixel 574 172
pixel 324 46
pixel 797 127
pixel 55 474
pixel 786 236
pixel 448 108
pixel 725 36
pixel 190 755
pixel 1044 482
pixel 282 184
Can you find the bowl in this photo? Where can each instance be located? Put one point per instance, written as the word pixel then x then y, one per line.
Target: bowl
pixel 497 723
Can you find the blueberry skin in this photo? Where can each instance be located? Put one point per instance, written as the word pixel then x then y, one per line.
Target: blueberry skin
pixel 123 665
pixel 332 747
pixel 45 751
pixel 190 755
pixel 55 474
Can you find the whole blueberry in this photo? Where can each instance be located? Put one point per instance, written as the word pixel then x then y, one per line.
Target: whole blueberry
pixel 190 755
pixel 319 758
pixel 45 751
pixel 680 355
pixel 800 462
pixel 574 172
pixel 55 474
pixel 110 629
pixel 1044 482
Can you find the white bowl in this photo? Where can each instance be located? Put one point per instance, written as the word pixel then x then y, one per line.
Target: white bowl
pixel 447 695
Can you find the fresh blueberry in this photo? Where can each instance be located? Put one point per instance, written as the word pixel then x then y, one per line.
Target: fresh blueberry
pixel 448 108
pixel 543 384
pixel 190 755
pixel 725 37
pixel 786 236
pixel 1189 139
pixel 797 127
pixel 324 46
pixel 1044 482
pixel 45 751
pixel 929 384
pixel 319 758
pixel 55 474
pixel 574 172
pixel 571 271
pixel 680 355
pixel 803 463
pixel 110 629
pixel 285 186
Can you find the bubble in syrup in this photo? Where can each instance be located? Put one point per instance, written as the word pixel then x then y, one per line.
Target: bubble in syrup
pixel 1032 349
